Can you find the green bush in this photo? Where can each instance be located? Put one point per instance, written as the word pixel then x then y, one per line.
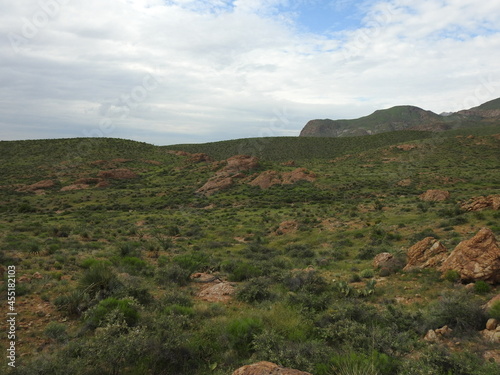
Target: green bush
pixel 452 276
pixel 367 273
pixel 494 311
pixel 244 271
pixel 256 290
pixel 482 287
pixel 241 333
pixel 458 309
pixel 123 308
pixel 99 281
pixel 56 331
pixel 172 273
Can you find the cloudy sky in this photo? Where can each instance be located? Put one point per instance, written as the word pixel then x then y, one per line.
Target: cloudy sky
pixel 189 71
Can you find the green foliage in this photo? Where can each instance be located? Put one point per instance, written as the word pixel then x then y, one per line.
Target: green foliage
pixel 255 290
pixel 112 308
pixel 172 273
pixel 244 271
pixel 452 276
pixel 56 331
pixel 99 281
pixel 353 363
pixel 458 309
pixel 494 311
pixel 482 287
pixel 241 334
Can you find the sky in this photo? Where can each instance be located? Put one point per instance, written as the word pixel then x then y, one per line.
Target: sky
pixel 188 71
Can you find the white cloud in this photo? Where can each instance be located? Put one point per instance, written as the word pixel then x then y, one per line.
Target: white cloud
pixel 205 70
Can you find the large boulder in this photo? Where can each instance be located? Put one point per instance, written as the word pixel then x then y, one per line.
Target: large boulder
pixel 476 259
pixel 267 368
pixel 428 253
pixel 481 203
pixel 435 196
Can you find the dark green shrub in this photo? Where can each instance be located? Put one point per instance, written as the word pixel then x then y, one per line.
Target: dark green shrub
pixel 56 331
pixel 452 276
pixel 123 308
pixel 192 262
pixel 458 309
pixel 172 273
pixel 129 249
pixel 494 311
pixel 482 287
pixel 241 333
pixel 133 265
pixel 99 281
pixel 256 290
pixel 299 251
pixel 244 271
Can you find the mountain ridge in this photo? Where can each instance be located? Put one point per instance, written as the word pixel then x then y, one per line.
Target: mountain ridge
pixel 403 117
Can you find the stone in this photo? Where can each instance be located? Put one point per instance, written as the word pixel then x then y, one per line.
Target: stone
pixel 443 331
pixel 476 259
pixel 491 324
pixel 427 253
pixel 37 275
pixel 482 203
pixel 435 196
pixel 267 368
pixel 217 293
pixel 381 260
pixel 431 336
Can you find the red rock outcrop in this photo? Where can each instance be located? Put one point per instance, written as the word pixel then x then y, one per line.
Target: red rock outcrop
pixel 267 368
pixel 476 259
pixel 481 203
pixel 428 253
pixel 435 195
pixel 269 178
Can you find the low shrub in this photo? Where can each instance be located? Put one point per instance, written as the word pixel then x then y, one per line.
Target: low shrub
pixel 256 290
pixel 123 308
pixel 482 287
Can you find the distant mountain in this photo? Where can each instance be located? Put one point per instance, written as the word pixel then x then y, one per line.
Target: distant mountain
pixel 403 118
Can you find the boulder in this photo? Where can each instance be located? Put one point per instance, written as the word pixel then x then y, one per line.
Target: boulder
pixel 491 324
pixel 215 184
pixel 382 260
pixel 219 292
pixel 435 195
pixel 482 203
pixel 267 368
pixel 476 259
pixel 266 179
pixel 427 253
pixel 240 163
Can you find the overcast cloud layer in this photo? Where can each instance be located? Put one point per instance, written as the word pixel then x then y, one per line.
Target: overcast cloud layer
pixel 188 71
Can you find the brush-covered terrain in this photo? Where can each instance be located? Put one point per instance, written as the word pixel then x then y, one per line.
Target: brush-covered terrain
pixel 198 259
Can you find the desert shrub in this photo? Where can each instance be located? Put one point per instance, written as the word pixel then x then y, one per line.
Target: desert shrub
pixel 241 333
pixel 244 271
pixel 192 262
pixel 56 331
pixel 123 308
pixel 299 251
pixel 367 273
pixel 452 276
pixel 436 359
pixel 255 290
pixel 353 363
pixel 307 355
pixel 72 303
pixel 99 281
pixel 494 311
pixel 308 281
pixel 482 287
pixel 366 253
pixel 423 234
pixel 172 273
pixel 129 249
pixel 133 265
pixel 458 309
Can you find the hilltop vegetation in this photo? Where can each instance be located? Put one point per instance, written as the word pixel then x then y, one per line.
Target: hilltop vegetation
pixel 404 118
pixel 124 266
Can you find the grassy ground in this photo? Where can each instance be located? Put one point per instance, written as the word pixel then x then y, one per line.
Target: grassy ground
pixel 115 294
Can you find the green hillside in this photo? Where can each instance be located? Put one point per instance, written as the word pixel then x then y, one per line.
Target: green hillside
pixel 125 265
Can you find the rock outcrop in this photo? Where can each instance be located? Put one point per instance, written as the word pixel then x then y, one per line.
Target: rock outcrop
pixel 492 331
pixel 224 178
pixel 382 260
pixel 435 196
pixel 476 259
pixel 269 178
pixel 491 202
pixel 267 368
pixel 428 253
